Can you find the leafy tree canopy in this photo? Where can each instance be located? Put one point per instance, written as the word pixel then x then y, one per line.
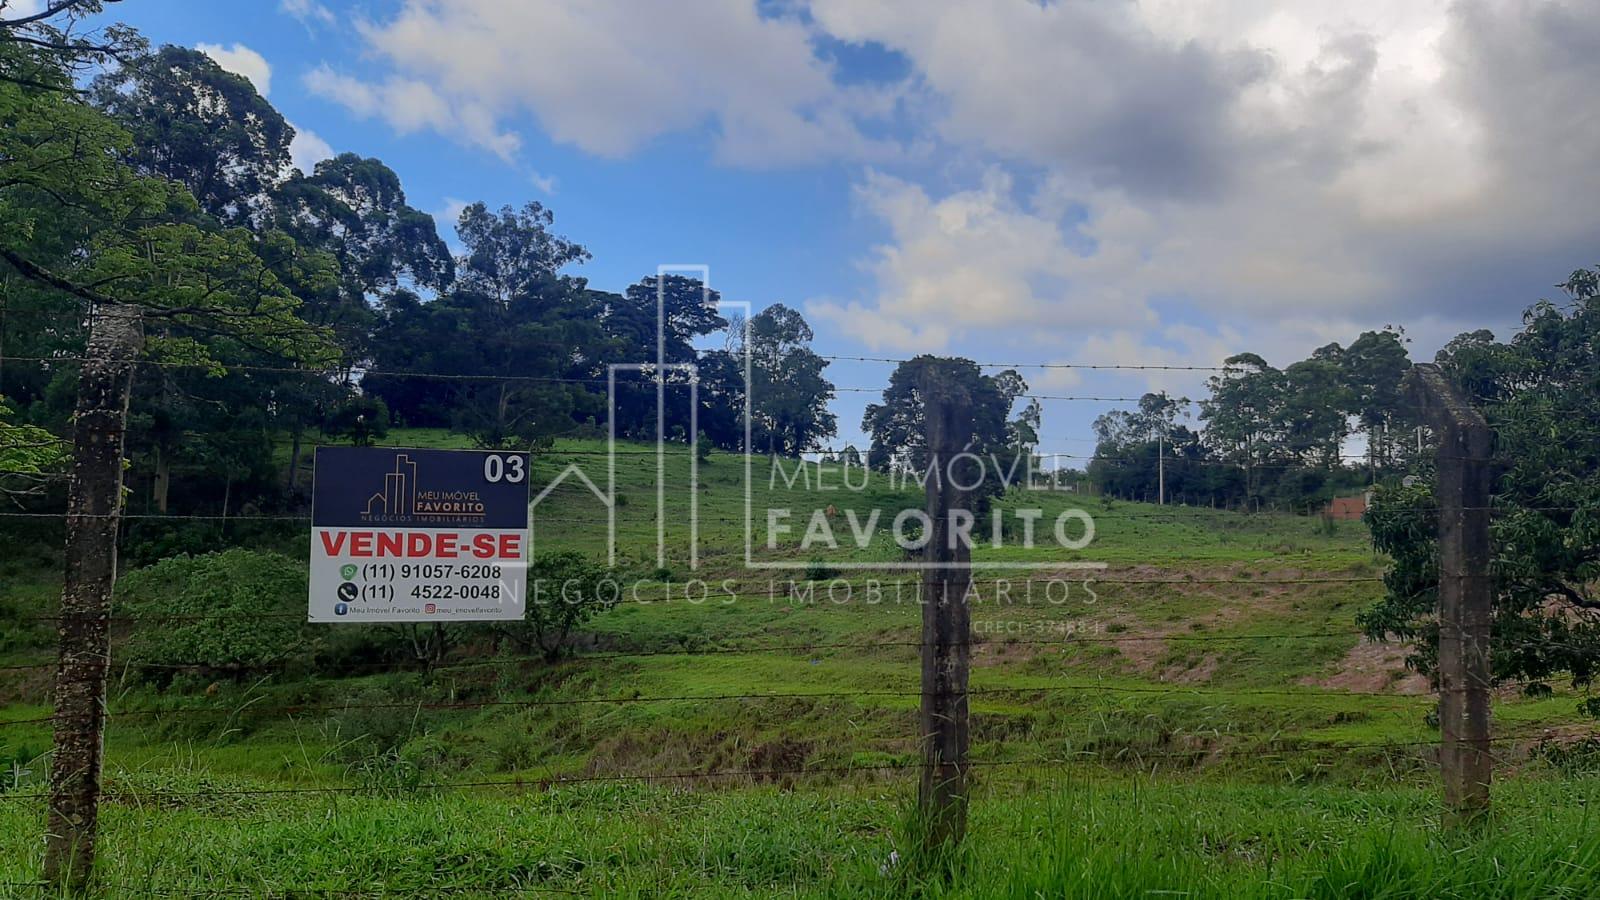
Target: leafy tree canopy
pixel 199 125
pixel 1541 393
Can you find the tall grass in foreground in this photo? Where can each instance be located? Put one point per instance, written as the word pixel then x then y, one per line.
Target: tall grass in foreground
pixel 1075 838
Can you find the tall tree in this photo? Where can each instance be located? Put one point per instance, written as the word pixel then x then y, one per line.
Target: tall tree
pixel 789 394
pixel 60 40
pixel 1134 447
pixel 509 252
pixel 1155 417
pixel 127 250
pixel 1374 366
pixel 896 424
pixel 1244 416
pixel 513 341
pixel 199 125
pixel 664 314
pixel 1541 394
pixel 1313 409
pixel 356 210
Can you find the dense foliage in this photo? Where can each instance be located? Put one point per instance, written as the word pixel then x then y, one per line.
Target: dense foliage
pixel 565 590
pixel 1540 391
pixel 230 610
pixel 282 306
pixel 1271 437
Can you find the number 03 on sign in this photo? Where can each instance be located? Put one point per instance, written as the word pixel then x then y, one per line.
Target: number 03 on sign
pixel 406 535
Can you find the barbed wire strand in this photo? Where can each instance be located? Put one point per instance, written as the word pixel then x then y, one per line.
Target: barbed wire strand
pixel 1073 758
pixel 1400 701
pixel 806 647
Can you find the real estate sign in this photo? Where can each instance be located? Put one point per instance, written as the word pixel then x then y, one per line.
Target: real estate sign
pixel 407 535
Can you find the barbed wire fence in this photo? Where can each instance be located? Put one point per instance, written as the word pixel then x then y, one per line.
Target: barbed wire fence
pixel 1465 751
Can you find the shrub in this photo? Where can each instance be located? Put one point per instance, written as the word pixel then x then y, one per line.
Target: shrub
pixel 360 419
pixel 375 721
pixel 247 608
pixel 817 570
pixel 18 767
pixel 565 590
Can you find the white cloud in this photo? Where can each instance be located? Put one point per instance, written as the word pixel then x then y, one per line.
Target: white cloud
pixel 445 219
pixel 409 106
pixel 971 261
pixel 307 149
pixel 609 76
pixel 1301 171
pixel 16 9
pixel 450 212
pixel 545 183
pixel 241 60
pixel 309 12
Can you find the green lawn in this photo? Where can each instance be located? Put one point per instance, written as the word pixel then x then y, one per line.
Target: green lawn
pixel 1032 834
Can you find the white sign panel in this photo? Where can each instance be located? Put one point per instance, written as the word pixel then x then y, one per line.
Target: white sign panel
pixel 404 535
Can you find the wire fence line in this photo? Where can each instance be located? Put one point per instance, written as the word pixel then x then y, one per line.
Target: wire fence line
pixel 1068 759
pixel 1077 574
pixel 806 647
pixel 1177 515
pixel 642 377
pixel 1402 701
pixel 1175 460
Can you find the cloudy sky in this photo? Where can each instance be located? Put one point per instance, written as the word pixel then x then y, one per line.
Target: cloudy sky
pixel 1155 182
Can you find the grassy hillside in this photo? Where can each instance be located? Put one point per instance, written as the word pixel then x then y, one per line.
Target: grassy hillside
pixel 1205 707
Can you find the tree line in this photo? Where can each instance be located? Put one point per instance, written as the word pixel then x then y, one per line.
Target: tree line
pixel 1266 437
pixel 276 304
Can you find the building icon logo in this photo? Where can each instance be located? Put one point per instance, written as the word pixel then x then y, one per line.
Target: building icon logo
pixel 399 494
pixel 404 500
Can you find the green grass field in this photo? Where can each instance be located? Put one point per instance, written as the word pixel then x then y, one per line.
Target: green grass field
pixel 1198 718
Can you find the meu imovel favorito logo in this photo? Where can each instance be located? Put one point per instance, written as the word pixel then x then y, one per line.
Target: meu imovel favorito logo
pixel 405 535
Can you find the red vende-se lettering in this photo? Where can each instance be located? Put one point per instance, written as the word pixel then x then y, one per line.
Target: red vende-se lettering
pixel 421 545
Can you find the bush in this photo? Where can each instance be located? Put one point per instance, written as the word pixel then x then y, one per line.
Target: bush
pixel 362 420
pixel 146 542
pixel 375 721
pixel 248 609
pixel 818 570
pixel 565 590
pixel 19 767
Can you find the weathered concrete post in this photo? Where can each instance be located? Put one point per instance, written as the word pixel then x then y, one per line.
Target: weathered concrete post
pixel 1465 589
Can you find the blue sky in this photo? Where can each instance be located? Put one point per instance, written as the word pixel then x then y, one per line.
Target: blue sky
pixel 1155 182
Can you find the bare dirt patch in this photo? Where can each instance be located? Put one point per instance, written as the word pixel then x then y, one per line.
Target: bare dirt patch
pixel 1199 673
pixel 1373 666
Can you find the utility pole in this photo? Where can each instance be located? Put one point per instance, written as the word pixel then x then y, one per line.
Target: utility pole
pixel 1161 469
pixel 946 619
pixel 94 507
pixel 1466 591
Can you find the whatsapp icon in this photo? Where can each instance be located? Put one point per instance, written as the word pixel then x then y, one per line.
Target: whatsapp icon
pixel 347 571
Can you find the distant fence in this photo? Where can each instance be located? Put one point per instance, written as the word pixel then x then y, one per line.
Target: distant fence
pixel 1465 746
